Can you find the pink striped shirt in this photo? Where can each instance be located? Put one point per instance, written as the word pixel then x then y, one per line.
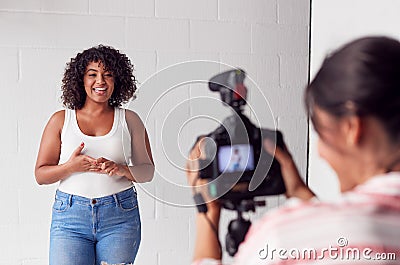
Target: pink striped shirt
pixel 362 227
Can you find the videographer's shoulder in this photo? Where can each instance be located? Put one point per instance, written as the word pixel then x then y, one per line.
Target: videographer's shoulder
pixel 292 209
pixel 372 203
pixel 380 191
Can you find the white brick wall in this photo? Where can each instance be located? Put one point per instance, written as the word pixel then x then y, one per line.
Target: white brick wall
pixel 189 9
pixel 257 11
pixel 268 38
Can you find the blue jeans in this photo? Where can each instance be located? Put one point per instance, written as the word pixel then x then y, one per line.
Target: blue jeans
pixel 90 231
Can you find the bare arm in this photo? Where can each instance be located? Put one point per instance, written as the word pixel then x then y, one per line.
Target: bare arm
pixel 142 169
pixel 206 244
pixel 47 169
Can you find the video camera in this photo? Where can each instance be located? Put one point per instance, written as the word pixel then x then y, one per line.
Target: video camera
pixel 236 165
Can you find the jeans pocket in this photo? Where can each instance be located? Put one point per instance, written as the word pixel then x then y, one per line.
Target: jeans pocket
pixel 60 205
pixel 128 204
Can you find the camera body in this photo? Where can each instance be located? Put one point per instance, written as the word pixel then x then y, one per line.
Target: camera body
pixel 236 164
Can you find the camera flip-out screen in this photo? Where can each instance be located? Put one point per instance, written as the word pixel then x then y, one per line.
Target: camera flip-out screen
pixel 235 158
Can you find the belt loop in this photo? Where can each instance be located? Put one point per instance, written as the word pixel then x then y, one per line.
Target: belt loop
pixel 70 200
pixel 116 199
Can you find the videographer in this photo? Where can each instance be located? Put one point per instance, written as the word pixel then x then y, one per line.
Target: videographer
pixel 354 105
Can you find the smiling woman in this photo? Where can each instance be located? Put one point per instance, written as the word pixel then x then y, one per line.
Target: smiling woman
pixel 96 151
pixel 98 82
pixel 116 64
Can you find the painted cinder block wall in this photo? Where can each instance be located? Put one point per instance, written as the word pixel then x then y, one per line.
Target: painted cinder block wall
pixel 267 38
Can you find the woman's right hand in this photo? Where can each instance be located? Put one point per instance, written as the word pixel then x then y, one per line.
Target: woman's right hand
pixel 81 163
pixel 295 187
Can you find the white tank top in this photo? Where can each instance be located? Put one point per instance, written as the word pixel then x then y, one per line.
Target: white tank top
pixel 115 146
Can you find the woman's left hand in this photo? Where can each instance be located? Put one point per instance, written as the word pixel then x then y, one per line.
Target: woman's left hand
pixel 111 168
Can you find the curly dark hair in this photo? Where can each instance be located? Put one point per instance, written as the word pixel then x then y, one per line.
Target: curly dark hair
pixel 73 92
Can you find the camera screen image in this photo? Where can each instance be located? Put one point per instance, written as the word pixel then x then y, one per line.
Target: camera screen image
pixel 233 158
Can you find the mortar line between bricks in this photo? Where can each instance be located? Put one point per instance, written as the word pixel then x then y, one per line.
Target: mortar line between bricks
pixel 18 136
pixel 44 12
pixel 126 32
pixel 277 12
pixel 58 13
pixel 157 61
pixel 279 69
pixel 251 39
pixel 89 7
pixel 19 58
pixel 218 10
pixel 190 34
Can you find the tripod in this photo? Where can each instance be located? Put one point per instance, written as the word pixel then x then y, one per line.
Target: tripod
pixel 238 227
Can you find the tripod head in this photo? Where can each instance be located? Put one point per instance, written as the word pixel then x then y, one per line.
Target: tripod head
pixel 238 228
pixel 236 164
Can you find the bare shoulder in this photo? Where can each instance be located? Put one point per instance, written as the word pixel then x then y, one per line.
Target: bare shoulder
pixel 56 120
pixel 58 116
pixel 132 117
pixel 135 124
pixel 131 114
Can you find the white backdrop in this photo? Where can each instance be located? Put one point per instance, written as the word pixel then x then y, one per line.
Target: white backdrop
pixel 333 23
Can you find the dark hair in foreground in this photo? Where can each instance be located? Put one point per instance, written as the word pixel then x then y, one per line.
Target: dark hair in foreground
pixel 362 78
pixel 73 92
